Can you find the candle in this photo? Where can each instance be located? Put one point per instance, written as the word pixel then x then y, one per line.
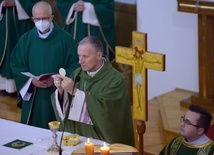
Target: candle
pixel 104 150
pixel 89 148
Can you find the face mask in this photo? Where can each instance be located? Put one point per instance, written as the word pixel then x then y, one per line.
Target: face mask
pixel 42 25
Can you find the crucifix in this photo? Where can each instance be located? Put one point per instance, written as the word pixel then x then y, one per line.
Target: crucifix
pixel 140 60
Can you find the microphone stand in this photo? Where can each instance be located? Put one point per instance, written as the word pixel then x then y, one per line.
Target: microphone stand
pixel 67 113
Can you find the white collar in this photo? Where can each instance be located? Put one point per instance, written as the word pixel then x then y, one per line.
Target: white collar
pixel 95 72
pixel 46 34
pixel 202 140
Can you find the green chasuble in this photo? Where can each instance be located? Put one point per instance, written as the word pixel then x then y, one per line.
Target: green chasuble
pixel 108 106
pixel 104 10
pixel 178 147
pixel 39 56
pixel 11 28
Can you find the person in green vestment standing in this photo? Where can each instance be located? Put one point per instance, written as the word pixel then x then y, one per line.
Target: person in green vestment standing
pixel 84 18
pixel 43 50
pixel 193 141
pixel 14 21
pixel 101 107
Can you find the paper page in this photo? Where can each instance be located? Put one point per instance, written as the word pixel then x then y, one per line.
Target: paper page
pixel 28 74
pixel 41 77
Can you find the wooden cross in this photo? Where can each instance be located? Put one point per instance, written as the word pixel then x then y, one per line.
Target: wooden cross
pixel 140 60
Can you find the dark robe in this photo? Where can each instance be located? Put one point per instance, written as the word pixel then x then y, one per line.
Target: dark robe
pixel 38 56
pixel 104 10
pixel 178 147
pixel 11 29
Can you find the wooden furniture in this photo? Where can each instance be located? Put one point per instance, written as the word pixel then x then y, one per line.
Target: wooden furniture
pixel 205 11
pixel 210 132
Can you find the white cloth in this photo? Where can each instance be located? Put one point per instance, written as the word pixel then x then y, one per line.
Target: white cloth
pixel 7 84
pixel 137 79
pixel 202 140
pixel 1 14
pixel 78 111
pixel 22 15
pixel 24 90
pixel 46 34
pixel 41 139
pixel 89 16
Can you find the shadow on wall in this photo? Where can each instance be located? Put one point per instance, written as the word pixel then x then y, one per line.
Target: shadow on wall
pixel 56 13
pixel 125 23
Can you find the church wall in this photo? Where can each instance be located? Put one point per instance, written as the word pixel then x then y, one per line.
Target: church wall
pixel 174 34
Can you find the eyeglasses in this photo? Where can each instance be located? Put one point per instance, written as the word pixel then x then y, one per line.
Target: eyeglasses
pixel 38 19
pixel 184 120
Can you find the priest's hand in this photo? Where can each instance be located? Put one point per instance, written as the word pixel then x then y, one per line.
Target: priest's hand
pixel 43 84
pixel 57 83
pixel 68 85
pixel 79 6
pixel 9 3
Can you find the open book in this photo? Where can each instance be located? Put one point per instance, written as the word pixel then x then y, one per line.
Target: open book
pixel 115 149
pixel 25 90
pixel 40 78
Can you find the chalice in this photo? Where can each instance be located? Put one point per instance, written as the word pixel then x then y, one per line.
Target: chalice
pixel 54 127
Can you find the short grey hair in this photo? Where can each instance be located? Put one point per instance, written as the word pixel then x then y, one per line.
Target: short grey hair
pixel 96 43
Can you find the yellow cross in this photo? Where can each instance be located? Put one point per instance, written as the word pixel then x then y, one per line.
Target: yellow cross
pixel 140 60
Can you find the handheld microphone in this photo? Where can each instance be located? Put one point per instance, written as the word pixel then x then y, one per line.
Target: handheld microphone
pixel 70 104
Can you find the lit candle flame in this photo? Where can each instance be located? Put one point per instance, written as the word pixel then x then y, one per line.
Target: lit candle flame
pixel 88 140
pixel 104 144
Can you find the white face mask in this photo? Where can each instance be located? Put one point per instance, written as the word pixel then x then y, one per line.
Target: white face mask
pixel 42 25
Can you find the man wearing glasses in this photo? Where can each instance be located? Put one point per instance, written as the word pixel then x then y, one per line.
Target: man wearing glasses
pixel 193 140
pixel 44 49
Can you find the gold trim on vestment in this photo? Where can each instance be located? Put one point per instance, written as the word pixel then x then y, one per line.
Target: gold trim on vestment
pixel 104 38
pixel 196 146
pixel 89 33
pixel 34 93
pixel 202 149
pixel 6 36
pixel 75 27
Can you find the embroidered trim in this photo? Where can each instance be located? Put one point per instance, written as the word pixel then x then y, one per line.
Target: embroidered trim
pixel 175 146
pixel 6 37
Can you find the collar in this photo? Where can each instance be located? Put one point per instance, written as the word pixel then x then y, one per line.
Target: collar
pixel 48 33
pixel 95 72
pixel 202 140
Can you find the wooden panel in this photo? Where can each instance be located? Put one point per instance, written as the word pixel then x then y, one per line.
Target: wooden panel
pixel 125 23
pixel 202 7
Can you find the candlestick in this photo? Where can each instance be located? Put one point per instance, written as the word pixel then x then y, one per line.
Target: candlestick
pixel 89 148
pixel 104 150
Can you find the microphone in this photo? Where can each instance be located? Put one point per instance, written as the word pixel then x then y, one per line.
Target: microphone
pixel 70 104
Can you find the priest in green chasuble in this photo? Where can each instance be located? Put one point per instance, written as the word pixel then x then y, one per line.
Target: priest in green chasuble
pixel 44 49
pixel 193 141
pixel 101 107
pixel 14 21
pixel 83 18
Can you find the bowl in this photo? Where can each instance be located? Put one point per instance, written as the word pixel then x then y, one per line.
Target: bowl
pixel 71 140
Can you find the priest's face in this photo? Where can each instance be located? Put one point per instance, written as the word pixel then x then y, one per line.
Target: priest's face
pixel 189 128
pixel 42 17
pixel 89 59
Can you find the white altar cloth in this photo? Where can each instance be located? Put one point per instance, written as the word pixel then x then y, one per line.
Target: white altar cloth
pixel 41 139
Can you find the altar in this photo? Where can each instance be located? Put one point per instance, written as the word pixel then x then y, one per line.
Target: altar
pixel 41 139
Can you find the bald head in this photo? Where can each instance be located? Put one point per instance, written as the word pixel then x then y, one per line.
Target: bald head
pixel 42 7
